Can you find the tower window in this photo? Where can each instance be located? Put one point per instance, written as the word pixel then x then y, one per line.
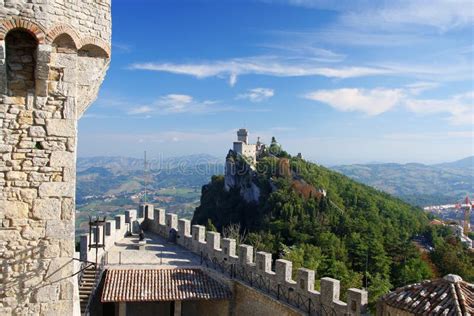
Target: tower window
pixel 21 62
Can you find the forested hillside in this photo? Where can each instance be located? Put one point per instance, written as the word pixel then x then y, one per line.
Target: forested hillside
pixel 355 233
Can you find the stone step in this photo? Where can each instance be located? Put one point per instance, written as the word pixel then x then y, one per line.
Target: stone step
pixel 86 291
pixel 88 281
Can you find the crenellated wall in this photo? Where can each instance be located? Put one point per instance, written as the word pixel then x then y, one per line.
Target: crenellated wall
pixel 53 58
pixel 224 250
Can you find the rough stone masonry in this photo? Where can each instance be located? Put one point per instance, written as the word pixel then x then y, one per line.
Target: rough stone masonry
pixel 53 58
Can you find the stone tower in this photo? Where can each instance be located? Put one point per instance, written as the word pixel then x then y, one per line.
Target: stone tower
pixel 243 135
pixel 53 58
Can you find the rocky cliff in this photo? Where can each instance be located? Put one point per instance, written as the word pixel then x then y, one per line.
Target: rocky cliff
pixel 241 175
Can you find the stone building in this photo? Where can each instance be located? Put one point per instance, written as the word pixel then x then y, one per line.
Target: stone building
pixel 53 57
pixel 244 148
pixel 446 296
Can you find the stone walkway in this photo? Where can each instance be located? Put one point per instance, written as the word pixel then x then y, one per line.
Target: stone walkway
pixel 157 252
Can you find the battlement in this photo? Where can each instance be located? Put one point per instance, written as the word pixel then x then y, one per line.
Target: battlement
pixel 276 276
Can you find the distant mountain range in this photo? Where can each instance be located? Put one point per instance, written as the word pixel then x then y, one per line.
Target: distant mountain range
pixel 467 162
pixel 118 163
pixel 108 185
pixel 119 175
pixel 417 183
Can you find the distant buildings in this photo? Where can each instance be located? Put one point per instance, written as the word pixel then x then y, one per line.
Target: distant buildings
pixel 459 232
pixel 451 213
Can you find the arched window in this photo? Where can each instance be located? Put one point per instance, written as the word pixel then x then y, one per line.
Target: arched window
pixel 64 44
pixel 91 50
pixel 21 62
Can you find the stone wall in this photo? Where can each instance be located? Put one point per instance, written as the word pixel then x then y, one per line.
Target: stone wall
pixel 250 302
pixel 387 310
pixel 90 18
pixel 272 274
pixel 53 58
pixel 206 307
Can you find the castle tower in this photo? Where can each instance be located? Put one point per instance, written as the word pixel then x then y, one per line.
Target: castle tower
pixel 243 135
pixel 53 58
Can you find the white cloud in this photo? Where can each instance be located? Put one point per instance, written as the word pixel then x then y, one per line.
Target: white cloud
pixel 121 47
pixel 420 86
pixel 257 94
pixel 429 136
pixel 141 110
pixel 441 14
pixel 176 103
pixel 278 66
pixel 182 103
pixel 371 102
pixel 459 108
pixel 232 79
pixel 261 65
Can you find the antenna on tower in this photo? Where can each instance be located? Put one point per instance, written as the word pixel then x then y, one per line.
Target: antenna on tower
pixel 145 175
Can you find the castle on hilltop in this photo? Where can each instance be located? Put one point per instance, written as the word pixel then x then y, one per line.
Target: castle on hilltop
pixel 244 149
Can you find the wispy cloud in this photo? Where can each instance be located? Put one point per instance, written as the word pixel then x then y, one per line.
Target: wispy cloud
pixel 261 65
pixel 459 108
pixel 429 135
pixel 177 103
pixel 257 94
pixel 420 86
pixel 183 104
pixel 371 102
pixel 441 14
pixel 141 110
pixel 121 47
pixel 298 45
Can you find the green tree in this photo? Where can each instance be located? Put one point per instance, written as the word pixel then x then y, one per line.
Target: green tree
pixel 210 226
pixel 378 286
pixel 413 271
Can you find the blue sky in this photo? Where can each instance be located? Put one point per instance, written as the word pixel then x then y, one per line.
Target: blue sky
pixel 341 82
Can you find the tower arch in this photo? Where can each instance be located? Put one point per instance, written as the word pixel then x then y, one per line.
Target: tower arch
pixel 20 59
pixel 17 23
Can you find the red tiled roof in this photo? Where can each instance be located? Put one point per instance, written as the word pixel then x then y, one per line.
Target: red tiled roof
pixel 447 296
pixel 151 285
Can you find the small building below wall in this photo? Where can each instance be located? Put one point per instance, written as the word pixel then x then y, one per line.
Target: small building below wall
pixel 447 296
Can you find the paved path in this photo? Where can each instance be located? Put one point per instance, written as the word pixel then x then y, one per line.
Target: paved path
pixel 157 252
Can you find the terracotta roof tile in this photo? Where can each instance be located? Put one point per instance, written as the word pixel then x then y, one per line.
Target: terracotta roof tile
pixel 151 285
pixel 447 296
